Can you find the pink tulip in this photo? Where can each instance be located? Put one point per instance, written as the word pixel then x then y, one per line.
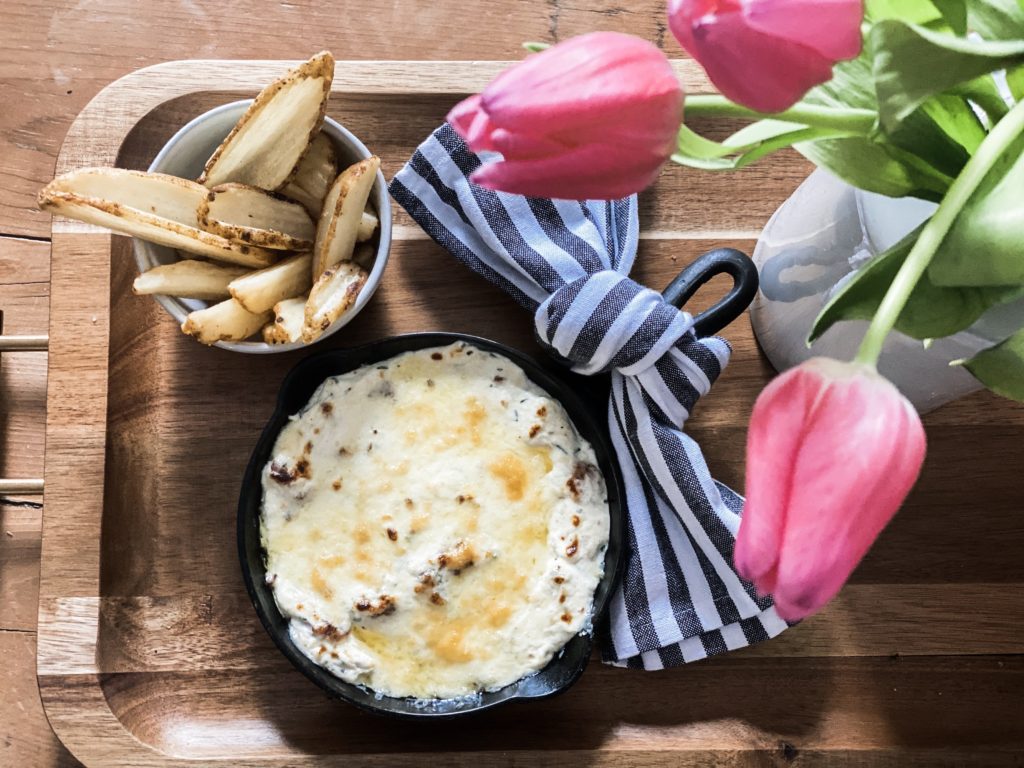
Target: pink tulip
pixel 766 54
pixel 833 450
pixel 592 118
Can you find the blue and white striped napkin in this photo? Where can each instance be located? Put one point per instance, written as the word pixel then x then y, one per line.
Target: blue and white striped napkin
pixel 680 599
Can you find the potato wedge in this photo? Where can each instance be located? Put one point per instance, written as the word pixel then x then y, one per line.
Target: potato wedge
pixel 151 206
pixel 367 226
pixel 249 215
pixel 260 291
pixel 332 295
pixel 189 279
pixel 338 227
pixel 226 321
pixel 267 143
pixel 364 255
pixel 286 327
pixel 314 175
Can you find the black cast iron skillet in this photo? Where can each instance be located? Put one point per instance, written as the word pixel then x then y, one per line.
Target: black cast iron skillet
pixel 585 400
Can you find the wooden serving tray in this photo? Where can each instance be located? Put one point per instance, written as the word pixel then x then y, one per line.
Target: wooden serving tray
pixel 149 651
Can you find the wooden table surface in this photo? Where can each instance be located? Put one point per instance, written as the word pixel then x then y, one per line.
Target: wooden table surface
pixel 962 690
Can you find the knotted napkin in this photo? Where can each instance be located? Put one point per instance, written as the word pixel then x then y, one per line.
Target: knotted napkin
pixel 568 262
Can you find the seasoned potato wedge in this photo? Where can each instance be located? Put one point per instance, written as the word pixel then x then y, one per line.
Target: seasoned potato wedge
pixel 332 295
pixel 152 206
pixel 226 321
pixel 267 143
pixel 189 279
pixel 338 228
pixel 286 327
pixel 367 226
pixel 314 175
pixel 259 291
pixel 251 215
pixel 326 220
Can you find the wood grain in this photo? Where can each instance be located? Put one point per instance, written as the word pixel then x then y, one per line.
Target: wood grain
pixel 55 56
pixel 149 652
pixel 25 736
pixel 120 634
pixel 24 301
pixel 727 711
pixel 956 548
pixel 24 290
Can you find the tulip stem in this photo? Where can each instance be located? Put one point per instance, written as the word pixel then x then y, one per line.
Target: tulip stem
pixel 861 121
pixel 1002 136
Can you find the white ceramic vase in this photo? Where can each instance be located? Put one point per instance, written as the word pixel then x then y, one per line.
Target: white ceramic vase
pixel 813 243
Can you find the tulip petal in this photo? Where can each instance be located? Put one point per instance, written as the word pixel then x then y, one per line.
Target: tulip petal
pixel 652 122
pixel 829 27
pixel 462 114
pixel 594 118
pixel 593 172
pixel 684 14
pixel 766 54
pixel 777 426
pixel 861 452
pixel 479 134
pixel 600 77
pixel 472 124
pixel 522 146
pixel 757 70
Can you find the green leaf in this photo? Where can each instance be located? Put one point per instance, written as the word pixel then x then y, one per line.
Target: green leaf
pixel 984 245
pixel 914 11
pixel 919 161
pixel 956 120
pixel 912 63
pixel 747 145
pixel 983 92
pixel 763 149
pixel 931 312
pixel 533 47
pixel 931 144
pixel 931 13
pixel 690 144
pixel 996 19
pixel 1015 79
pixel 852 85
pixel 927 175
pixel 1001 368
pixel 876 167
pixel 954 12
pixel 897 165
pixel 693 145
pixel 760 132
pixel 868 163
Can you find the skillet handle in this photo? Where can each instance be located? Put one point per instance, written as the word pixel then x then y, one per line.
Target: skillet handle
pixel 719 261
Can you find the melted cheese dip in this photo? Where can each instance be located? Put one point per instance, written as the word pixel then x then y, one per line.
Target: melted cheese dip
pixel 434 526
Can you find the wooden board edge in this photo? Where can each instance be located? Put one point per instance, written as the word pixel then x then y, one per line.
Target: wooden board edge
pixel 74 458
pixel 80 712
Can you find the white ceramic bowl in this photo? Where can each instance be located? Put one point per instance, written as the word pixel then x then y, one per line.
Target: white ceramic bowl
pixel 186 154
